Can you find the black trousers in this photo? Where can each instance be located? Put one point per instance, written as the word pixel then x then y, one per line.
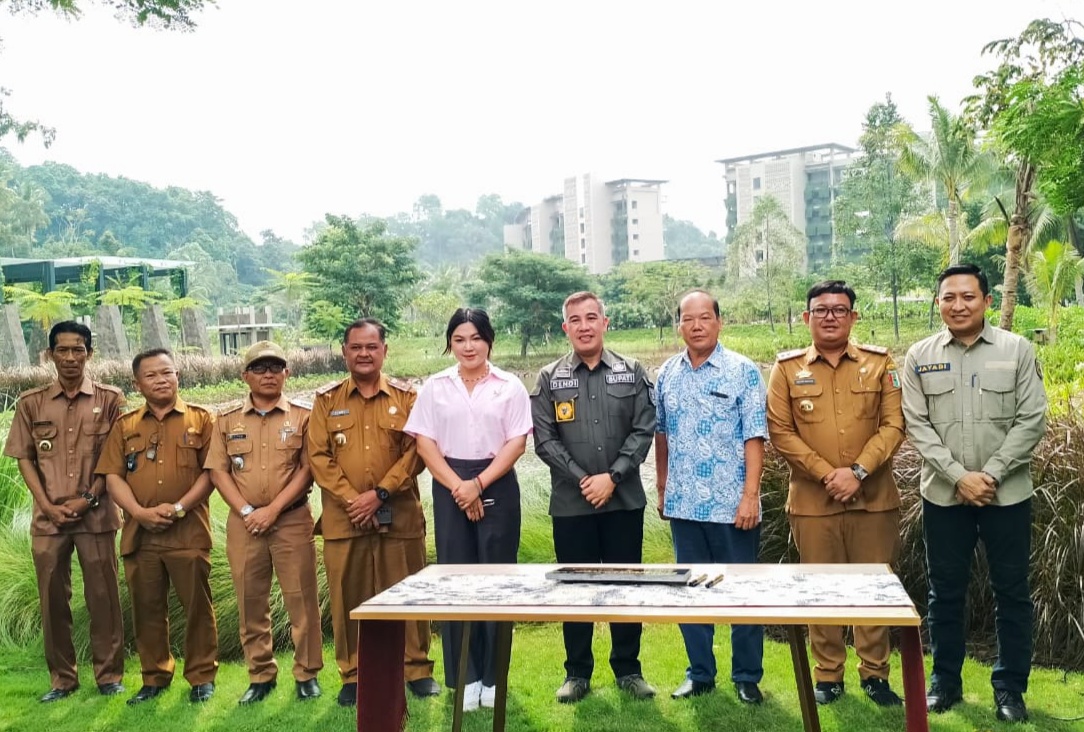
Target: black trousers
pixel 493 540
pixel 951 533
pixel 610 536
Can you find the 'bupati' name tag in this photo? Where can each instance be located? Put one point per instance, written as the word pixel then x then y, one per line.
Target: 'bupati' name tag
pixel 930 368
pixel 625 378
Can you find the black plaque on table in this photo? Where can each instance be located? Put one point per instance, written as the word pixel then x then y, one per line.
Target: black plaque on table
pixel 623 575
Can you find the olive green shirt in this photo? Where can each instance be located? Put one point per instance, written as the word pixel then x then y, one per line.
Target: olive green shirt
pixel 588 422
pixel 974 408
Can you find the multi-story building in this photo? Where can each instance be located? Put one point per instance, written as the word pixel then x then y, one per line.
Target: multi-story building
pixel 595 222
pixel 803 179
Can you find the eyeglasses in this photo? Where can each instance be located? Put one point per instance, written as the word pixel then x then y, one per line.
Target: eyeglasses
pixel 263 368
pixel 838 312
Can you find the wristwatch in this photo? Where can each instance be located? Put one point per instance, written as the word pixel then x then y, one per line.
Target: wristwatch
pixel 247 509
pixel 91 499
pixel 383 494
pixel 178 510
pixel 615 476
pixel 859 472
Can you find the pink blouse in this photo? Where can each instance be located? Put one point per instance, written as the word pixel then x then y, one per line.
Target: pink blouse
pixel 471 426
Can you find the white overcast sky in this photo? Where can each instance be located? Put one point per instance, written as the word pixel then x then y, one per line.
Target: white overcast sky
pixel 287 110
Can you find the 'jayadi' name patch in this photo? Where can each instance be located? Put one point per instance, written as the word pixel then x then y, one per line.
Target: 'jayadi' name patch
pixel 625 378
pixel 930 368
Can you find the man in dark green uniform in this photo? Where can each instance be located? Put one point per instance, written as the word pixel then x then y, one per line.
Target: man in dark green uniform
pixel 594 422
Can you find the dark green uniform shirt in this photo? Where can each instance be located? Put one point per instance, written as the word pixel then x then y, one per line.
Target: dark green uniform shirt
pixel 588 422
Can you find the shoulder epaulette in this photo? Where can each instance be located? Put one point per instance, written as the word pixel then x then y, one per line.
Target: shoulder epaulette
pixel 35 390
pixel 328 388
pixel 230 410
pixel 873 349
pixel 304 404
pixel 109 387
pixel 400 384
pixel 788 355
pixel 200 407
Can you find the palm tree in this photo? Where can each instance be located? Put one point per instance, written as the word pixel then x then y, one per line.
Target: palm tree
pixel 292 288
pixel 950 160
pixel 1052 276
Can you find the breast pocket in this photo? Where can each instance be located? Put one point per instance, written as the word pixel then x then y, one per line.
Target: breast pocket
pixel 288 451
pixel 240 455
pixel 45 440
pixel 390 433
pixel 998 394
pixel 342 432
pixel 93 436
pixel 134 448
pixel 866 398
pixel 807 403
pixel 188 447
pixel 620 405
pixel 940 393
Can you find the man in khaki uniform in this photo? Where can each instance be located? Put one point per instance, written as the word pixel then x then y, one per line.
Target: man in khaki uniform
pixel 834 414
pixel 56 436
pixel 258 462
pixel 153 467
pixel 372 521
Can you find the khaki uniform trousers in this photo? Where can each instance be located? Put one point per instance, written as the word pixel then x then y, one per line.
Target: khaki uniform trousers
pixel 98 560
pixel 150 570
pixel 360 568
pixel 290 553
pixel 851 537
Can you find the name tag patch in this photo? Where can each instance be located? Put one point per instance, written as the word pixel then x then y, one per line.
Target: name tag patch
pixel 237 436
pixel 339 412
pixel 625 378
pixel 564 383
pixel 805 382
pixel 930 368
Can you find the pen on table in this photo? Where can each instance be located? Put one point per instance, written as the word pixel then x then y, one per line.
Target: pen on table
pixel 698 580
pixel 715 581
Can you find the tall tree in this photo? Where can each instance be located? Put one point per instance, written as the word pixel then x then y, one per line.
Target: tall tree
pixel 658 286
pixel 363 270
pixel 950 159
pixel 766 256
pixel 1030 104
pixel 1052 277
pixel 524 291
pixel 873 199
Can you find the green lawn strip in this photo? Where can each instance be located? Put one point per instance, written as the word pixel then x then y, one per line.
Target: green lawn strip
pixel 536 673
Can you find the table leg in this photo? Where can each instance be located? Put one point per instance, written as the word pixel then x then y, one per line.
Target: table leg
pixel 914 679
pixel 808 703
pixel 381 701
pixel 461 677
pixel 504 660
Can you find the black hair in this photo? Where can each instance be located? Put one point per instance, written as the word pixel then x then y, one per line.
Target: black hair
pixel 830 287
pixel 964 269
pixel 362 323
pixel 149 353
pixel 714 301
pixel 475 316
pixel 70 326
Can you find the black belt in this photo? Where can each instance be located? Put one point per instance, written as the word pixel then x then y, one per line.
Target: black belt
pixel 303 501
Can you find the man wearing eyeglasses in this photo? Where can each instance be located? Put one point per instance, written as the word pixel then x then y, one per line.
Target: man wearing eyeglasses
pixel 153 467
pixel 834 414
pixel 259 465
pixel 56 436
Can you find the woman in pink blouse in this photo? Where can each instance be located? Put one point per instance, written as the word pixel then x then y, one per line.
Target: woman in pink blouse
pixel 471 422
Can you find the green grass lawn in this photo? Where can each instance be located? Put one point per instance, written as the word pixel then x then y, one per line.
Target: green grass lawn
pixel 536 673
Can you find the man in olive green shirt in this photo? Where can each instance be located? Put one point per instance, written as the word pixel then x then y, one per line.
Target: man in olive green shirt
pixel 975 409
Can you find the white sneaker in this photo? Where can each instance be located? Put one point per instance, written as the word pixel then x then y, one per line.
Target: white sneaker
pixel 471 696
pixel 489 696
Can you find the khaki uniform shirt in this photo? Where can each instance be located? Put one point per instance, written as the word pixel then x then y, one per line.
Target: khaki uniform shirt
pixel 821 418
pixel 974 408
pixel 64 438
pixel 357 444
pixel 261 453
pixel 589 422
pixel 160 460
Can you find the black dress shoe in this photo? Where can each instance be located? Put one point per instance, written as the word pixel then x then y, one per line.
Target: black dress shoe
pixel 348 695
pixel 1010 706
pixel 57 694
pixel 422 688
pixel 202 693
pixel 146 693
pixel 690 688
pixel 257 691
pixel 111 689
pixel 826 692
pixel 939 700
pixel 748 692
pixel 309 689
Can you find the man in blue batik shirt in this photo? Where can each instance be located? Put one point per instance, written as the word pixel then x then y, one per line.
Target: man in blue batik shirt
pixel 709 455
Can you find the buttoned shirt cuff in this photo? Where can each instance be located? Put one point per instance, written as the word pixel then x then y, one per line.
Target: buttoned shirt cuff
pixel 622 465
pixel 995 470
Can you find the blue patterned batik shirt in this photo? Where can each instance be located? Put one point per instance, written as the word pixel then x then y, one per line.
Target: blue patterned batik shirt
pixel 707 414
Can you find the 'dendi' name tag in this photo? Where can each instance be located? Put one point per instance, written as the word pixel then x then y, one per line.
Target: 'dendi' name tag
pixel 564 383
